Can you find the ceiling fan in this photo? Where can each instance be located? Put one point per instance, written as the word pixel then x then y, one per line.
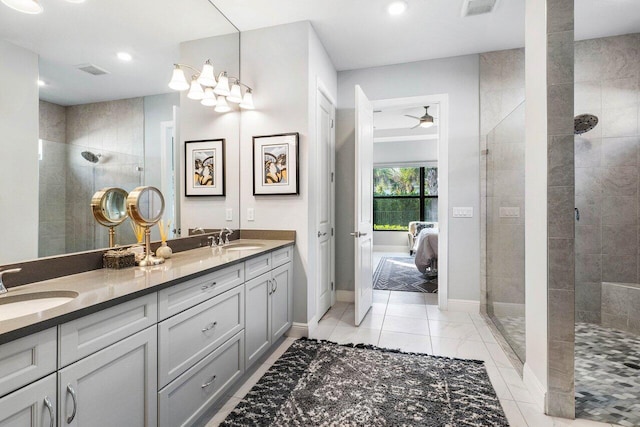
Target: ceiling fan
pixel 425 121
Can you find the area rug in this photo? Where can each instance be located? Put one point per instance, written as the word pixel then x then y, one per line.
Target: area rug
pixel 319 383
pixel 401 274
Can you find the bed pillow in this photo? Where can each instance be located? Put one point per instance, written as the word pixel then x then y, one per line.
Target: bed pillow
pixel 422 226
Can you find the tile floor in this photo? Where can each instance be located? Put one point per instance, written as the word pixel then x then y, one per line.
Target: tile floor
pixel 412 322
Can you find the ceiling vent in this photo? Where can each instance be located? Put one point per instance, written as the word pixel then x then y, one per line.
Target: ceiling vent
pixel 92 69
pixel 478 7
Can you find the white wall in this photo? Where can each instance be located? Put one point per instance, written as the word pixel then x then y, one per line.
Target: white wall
pixel 459 78
pixel 19 149
pixel 198 122
pixel 282 63
pixel 391 153
pixel 535 372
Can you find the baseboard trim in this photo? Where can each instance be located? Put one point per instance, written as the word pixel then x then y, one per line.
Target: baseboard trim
pixel 298 330
pixel 345 296
pixel 467 306
pixel 535 386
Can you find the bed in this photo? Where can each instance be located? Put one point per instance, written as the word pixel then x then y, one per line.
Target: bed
pixel 427 251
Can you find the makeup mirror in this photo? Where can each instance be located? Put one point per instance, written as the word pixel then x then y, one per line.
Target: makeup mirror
pixel 145 206
pixel 109 208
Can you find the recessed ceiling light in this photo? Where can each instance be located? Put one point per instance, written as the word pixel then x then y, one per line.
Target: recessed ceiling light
pixel 41 83
pixel 397 8
pixel 124 56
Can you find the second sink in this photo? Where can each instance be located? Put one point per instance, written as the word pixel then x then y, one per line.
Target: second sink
pixel 12 306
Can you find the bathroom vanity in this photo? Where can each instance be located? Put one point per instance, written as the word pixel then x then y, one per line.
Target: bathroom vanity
pixel 152 346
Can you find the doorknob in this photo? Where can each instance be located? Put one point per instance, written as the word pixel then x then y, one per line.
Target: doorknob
pixel 358 234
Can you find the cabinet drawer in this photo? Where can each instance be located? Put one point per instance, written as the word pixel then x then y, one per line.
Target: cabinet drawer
pixel 282 256
pixel 180 297
pixel 257 266
pixel 26 359
pixel 27 407
pixel 187 337
pixel 84 336
pixel 183 401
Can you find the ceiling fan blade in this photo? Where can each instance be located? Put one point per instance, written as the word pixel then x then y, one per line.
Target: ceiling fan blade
pixel 413 117
pixel 418 125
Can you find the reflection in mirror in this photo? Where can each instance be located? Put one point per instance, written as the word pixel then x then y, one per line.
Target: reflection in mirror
pixel 145 206
pixel 105 119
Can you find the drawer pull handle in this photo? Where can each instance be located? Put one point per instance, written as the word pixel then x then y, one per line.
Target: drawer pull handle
pixel 47 403
pixel 270 286
pixel 276 283
pixel 209 326
pixel 72 392
pixel 205 385
pixel 205 287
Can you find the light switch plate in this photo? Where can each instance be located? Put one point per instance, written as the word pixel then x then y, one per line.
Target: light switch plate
pixel 229 214
pixel 463 212
pixel 250 214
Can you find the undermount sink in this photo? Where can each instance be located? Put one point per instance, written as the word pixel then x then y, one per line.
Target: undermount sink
pixel 12 306
pixel 243 246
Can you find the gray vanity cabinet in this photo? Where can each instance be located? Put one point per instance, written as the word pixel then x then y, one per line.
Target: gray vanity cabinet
pixel 31 406
pixel 269 311
pixel 116 386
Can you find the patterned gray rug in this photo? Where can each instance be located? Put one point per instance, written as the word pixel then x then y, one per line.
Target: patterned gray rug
pixel 319 383
pixel 401 274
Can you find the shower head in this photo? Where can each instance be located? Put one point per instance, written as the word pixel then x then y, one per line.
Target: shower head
pixel 90 157
pixel 584 123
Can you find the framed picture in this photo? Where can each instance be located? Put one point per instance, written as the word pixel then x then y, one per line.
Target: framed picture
pixel 275 164
pixel 204 167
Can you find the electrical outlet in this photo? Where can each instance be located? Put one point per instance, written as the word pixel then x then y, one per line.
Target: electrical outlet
pixel 229 214
pixel 250 214
pixel 464 212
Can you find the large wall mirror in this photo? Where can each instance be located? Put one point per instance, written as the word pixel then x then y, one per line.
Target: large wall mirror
pixel 107 117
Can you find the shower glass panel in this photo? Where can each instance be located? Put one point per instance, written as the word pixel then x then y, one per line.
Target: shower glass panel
pixel 505 229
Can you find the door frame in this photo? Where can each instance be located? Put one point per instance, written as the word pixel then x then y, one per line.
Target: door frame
pixel 322 89
pixel 443 180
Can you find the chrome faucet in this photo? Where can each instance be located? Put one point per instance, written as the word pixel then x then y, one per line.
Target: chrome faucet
pixel 3 289
pixel 227 231
pixel 197 230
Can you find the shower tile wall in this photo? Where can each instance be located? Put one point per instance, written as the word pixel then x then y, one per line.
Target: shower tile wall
pixel 607 73
pixel 52 189
pixel 114 129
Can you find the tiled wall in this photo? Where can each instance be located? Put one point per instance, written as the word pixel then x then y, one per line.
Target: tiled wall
pixel 607 172
pixel 621 306
pixel 113 129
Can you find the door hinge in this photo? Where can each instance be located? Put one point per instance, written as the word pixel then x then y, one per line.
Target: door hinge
pixel 333 287
pixel 332 231
pixel 331 123
pixel 331 176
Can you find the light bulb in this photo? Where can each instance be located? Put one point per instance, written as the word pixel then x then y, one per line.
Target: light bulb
pixel 426 124
pixel 178 80
pixel 223 85
pixel 247 101
pixel 235 95
pixel 222 106
pixel 207 77
pixel 209 99
pixel 196 91
pixel 31 7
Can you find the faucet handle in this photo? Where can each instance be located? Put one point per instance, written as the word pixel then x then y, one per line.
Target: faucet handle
pixel 212 239
pixel 2 273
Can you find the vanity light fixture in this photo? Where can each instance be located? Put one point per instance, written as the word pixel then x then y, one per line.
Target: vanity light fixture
pixel 31 7
pixel 209 90
pixel 397 8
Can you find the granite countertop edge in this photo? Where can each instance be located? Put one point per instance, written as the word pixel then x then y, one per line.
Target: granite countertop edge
pixel 104 288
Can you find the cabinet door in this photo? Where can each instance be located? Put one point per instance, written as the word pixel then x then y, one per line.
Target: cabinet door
pixel 116 386
pixel 257 318
pixel 281 301
pixel 31 406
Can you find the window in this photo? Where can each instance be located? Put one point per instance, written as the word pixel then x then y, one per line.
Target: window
pixel 401 195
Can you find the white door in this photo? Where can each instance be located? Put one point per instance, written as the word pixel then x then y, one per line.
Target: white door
pixel 363 233
pixel 324 227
